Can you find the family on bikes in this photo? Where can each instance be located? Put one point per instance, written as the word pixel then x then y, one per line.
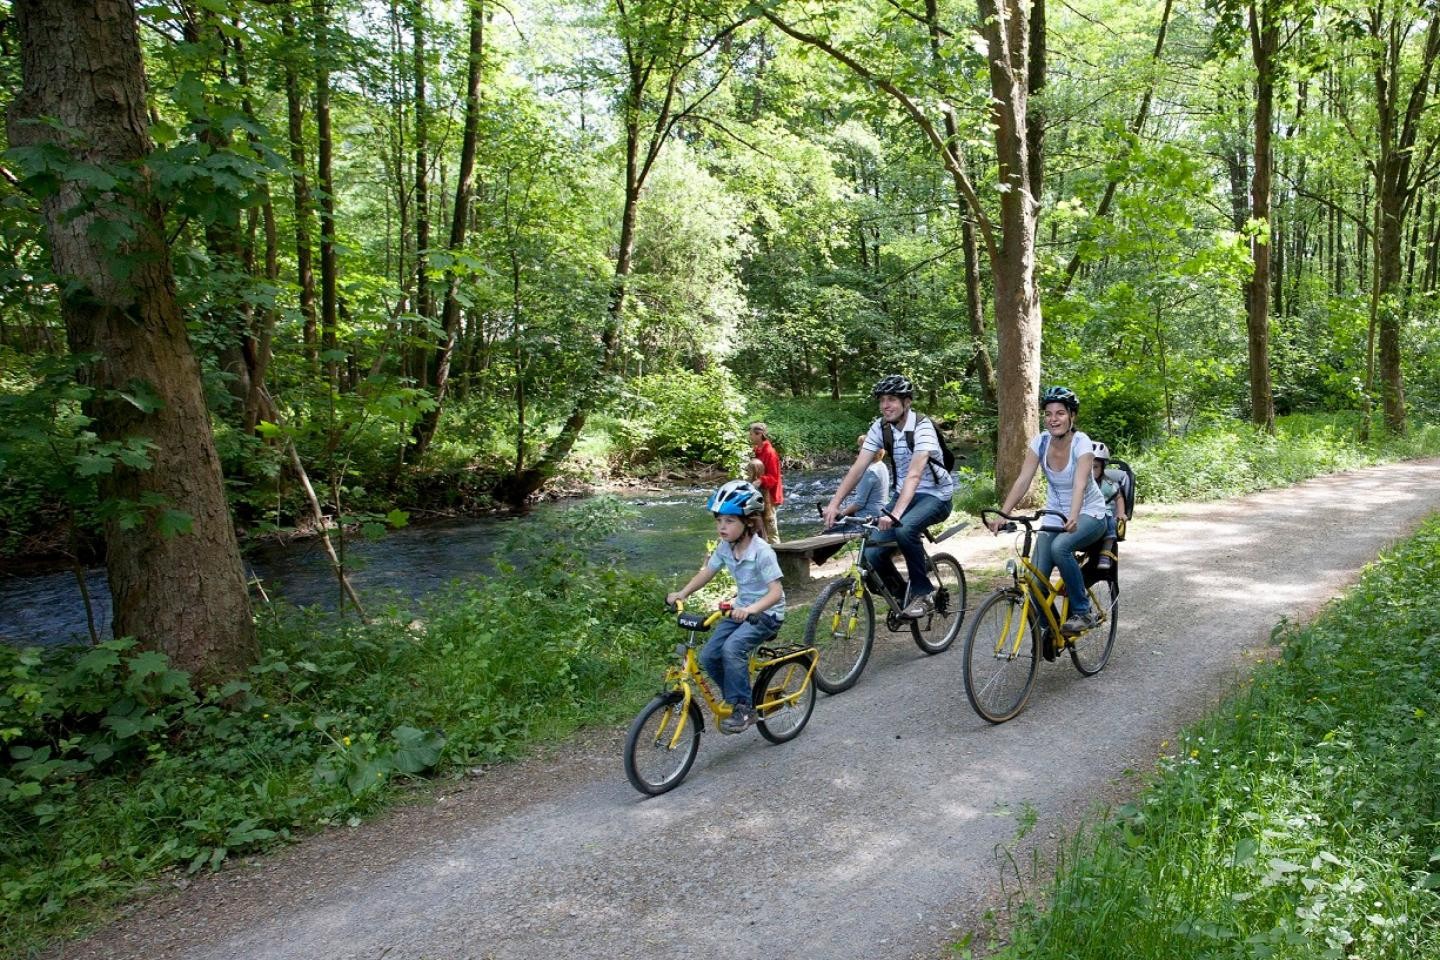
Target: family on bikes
pixel 1083 506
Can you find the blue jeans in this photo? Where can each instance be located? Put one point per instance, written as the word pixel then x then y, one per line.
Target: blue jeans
pixel 1058 550
pixel 726 655
pixel 909 536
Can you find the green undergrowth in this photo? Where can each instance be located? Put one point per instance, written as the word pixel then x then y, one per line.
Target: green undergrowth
pixel 1302 820
pixel 115 772
pixel 1237 458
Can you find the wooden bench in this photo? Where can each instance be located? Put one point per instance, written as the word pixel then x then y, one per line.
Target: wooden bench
pixel 797 557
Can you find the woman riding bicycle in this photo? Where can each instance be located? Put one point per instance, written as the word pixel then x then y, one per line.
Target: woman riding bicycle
pixel 1067 456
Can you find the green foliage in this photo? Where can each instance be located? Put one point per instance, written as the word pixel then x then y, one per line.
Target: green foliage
pixel 682 415
pixel 1235 458
pixel 814 429
pixel 1299 821
pixel 114 769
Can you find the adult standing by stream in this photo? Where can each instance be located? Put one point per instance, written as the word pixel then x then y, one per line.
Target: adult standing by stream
pixel 770 482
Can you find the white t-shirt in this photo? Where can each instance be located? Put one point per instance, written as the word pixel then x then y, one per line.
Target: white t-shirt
pixel 1062 482
pixel 936 482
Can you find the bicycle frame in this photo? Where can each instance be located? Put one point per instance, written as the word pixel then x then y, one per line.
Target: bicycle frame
pixel 688 674
pixel 1038 592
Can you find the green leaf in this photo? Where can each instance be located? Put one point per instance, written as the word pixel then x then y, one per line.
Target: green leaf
pixel 148 664
pixel 397 518
pixel 417 751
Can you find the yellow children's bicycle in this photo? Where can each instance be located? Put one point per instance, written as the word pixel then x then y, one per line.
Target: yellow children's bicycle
pixel 664 737
pixel 1024 618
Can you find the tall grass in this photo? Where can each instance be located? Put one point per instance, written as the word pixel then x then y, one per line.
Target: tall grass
pixel 1301 821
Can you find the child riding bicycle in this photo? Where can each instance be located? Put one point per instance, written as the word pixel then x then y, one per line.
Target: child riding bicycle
pixel 759 606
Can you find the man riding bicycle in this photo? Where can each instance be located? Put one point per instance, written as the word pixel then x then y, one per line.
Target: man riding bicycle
pixel 922 490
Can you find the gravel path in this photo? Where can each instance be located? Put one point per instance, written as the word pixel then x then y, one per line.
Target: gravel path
pixel 874 834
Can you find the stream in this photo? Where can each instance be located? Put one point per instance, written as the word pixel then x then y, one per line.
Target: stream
pixel 666 539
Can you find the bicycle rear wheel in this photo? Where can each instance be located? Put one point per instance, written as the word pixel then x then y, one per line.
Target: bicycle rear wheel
pixel 1000 656
pixel 653 764
pixel 938 630
pixel 842 628
pixel 1091 650
pixel 784 699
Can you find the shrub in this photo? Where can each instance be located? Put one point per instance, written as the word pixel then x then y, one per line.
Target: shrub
pixel 681 415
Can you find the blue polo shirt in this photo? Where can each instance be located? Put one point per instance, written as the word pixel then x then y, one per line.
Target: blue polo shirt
pixel 753 572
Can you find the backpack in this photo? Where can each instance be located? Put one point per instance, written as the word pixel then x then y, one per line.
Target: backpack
pixel 887 435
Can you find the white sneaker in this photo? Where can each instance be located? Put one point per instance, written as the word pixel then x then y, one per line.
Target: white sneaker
pixel 918 607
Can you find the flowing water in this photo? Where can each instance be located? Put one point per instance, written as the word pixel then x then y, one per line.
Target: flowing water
pixel 666 538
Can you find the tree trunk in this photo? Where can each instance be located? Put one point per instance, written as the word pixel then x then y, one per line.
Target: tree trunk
pixel 1264 39
pixel 181 593
pixel 295 117
pixel 1017 301
pixel 426 426
pixel 328 279
pixel 975 311
pixel 422 178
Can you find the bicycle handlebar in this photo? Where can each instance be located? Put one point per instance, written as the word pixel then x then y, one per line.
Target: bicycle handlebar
pixel 678 608
pixel 1029 521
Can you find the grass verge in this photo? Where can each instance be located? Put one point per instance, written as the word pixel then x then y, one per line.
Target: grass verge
pixel 1302 820
pixel 115 771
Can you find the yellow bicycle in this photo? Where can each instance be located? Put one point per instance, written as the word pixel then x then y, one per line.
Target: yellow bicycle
pixel 664 737
pixel 1024 618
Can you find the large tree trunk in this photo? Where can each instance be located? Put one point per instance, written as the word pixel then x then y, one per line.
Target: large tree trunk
pixel 181 593
pixel 1017 301
pixel 1398 172
pixel 1264 39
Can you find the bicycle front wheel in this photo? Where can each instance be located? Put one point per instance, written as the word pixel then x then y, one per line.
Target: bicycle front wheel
pixel 1091 650
pixel 842 628
pixel 937 631
pixel 784 699
pixel 655 761
pixel 1000 656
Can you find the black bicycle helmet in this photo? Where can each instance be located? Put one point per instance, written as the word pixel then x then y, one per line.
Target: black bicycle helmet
pixel 895 385
pixel 1060 395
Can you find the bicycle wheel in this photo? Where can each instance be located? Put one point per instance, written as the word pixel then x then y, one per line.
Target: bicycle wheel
pixel 1000 654
pixel 652 764
pixel 936 632
pixel 783 681
pixel 1091 650
pixel 842 628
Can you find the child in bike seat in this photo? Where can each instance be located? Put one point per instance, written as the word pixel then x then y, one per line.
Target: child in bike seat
pixel 759 606
pixel 1114 507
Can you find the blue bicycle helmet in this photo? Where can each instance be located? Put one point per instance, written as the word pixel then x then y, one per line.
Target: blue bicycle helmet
pixel 738 498
pixel 1060 395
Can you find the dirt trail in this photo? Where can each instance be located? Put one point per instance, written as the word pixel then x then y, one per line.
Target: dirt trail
pixel 869 836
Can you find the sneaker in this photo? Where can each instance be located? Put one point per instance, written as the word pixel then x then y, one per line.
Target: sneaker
pixel 1104 563
pixel 740 719
pixel 1080 622
pixel 918 607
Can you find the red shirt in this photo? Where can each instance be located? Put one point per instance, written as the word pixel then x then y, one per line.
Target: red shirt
pixel 770 482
